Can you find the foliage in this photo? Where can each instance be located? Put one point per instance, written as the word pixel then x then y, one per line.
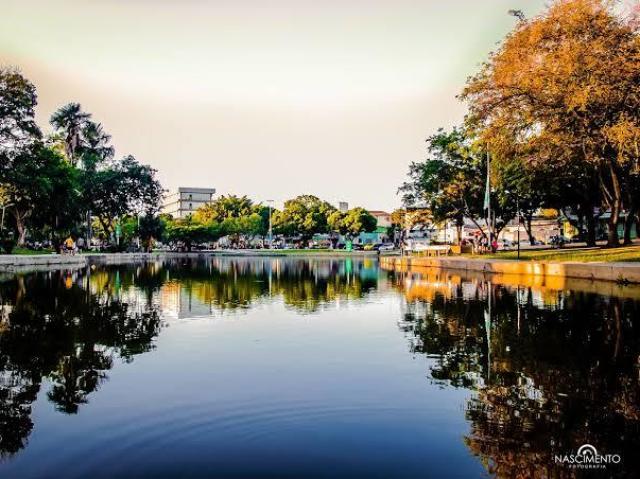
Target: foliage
pixel 38 178
pixel 304 215
pixel 224 207
pixel 191 232
pixel 449 183
pixel 71 120
pixel 563 91
pixel 122 188
pixel 353 222
pixel 48 186
pixel 17 110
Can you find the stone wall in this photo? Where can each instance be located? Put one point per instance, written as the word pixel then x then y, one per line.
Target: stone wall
pixel 620 272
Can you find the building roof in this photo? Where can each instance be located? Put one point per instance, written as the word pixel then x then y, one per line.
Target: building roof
pixel 188 189
pixel 379 213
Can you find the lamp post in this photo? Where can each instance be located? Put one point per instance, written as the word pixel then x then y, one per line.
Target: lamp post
pixel 519 220
pixel 270 224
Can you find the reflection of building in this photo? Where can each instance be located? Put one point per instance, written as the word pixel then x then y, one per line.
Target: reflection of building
pixel 187 200
pixel 180 301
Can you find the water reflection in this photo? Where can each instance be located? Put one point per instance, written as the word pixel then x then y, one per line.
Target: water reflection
pixel 194 288
pixel 67 328
pixel 551 370
pixel 54 329
pixel 547 368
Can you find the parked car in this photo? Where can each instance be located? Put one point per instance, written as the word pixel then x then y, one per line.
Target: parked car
pixel 386 247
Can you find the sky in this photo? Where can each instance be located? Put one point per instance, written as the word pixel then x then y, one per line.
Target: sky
pixel 271 99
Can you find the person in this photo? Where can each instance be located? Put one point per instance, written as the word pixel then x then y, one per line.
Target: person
pixel 80 243
pixel 69 245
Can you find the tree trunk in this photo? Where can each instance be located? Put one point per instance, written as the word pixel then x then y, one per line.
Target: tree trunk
pixel 629 221
pixel 484 234
pixel 613 239
pixel 20 218
pixel 591 230
pixel 528 219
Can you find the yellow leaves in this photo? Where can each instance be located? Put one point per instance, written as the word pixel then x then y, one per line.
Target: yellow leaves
pixel 563 85
pixel 625 135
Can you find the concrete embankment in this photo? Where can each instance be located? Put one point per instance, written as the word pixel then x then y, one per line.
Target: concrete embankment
pixel 620 272
pixel 36 262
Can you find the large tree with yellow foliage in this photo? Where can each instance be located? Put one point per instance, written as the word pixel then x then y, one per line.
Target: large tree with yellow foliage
pixel 563 90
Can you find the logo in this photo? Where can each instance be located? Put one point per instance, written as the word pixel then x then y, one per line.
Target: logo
pixel 587 457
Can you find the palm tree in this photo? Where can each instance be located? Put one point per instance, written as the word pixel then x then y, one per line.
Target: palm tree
pixel 70 119
pixel 96 147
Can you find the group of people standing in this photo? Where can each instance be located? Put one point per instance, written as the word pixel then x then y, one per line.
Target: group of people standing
pixel 482 244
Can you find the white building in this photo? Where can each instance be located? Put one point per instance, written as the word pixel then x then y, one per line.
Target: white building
pixel 382 217
pixel 187 200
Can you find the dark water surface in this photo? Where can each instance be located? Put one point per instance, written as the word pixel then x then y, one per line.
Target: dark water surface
pixel 283 368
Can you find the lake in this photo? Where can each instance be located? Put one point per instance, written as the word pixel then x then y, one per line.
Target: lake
pixel 312 368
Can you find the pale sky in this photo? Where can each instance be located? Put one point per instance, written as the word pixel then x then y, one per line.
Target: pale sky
pixel 266 98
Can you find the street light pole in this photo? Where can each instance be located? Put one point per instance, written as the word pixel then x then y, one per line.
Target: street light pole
pixel 270 224
pixel 519 219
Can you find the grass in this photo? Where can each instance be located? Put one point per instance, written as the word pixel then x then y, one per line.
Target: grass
pixel 586 255
pixel 30 252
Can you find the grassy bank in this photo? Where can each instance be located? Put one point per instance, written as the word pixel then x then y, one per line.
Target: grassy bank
pixel 30 252
pixel 587 255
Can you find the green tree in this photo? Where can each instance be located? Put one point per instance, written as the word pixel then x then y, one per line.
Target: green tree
pixel 450 183
pixel 353 222
pixel 61 208
pixel 305 215
pixel 224 207
pixel 17 110
pixel 147 228
pixel 126 187
pixel 95 148
pixel 70 120
pixel 189 232
pixel 37 178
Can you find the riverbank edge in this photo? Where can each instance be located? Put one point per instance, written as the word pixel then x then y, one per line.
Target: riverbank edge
pixel 617 272
pixel 20 262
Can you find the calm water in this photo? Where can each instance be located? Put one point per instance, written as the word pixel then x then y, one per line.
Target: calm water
pixel 252 368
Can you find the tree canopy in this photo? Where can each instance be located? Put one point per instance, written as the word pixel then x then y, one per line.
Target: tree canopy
pixel 563 91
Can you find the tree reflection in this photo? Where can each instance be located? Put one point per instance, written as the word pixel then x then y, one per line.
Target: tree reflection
pixel 548 376
pixel 54 328
pixel 67 329
pixel 231 283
